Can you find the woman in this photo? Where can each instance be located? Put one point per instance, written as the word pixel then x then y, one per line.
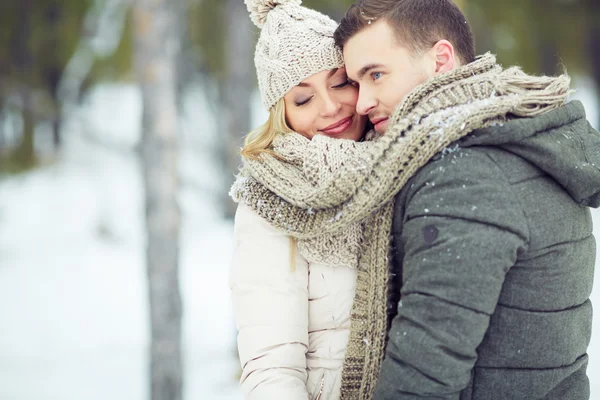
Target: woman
pixel 293 316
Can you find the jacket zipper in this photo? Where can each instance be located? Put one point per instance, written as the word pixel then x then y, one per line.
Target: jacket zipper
pixel 321 390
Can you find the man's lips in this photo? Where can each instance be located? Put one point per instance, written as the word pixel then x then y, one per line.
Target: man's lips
pixel 338 127
pixel 377 122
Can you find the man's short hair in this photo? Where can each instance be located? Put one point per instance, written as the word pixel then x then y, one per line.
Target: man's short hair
pixel 418 24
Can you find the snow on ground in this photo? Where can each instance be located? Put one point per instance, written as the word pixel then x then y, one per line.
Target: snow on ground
pixel 73 297
pixel 72 281
pixel 73 300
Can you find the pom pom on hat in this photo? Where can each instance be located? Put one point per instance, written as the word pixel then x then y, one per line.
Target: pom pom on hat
pixel 259 9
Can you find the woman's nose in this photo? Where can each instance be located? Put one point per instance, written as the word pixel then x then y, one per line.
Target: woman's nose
pixel 330 106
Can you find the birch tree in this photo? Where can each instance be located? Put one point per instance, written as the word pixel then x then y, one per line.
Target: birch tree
pixel 238 87
pixel 157 45
pixel 593 45
pixel 25 152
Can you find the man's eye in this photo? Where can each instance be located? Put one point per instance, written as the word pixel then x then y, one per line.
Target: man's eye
pixel 376 75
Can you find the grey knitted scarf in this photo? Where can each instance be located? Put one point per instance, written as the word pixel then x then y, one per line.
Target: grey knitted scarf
pixel 336 196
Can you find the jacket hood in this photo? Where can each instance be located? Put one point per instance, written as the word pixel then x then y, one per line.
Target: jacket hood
pixel 561 142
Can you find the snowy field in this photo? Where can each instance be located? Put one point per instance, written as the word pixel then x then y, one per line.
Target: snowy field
pixel 72 280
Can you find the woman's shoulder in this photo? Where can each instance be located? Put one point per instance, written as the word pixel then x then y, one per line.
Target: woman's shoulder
pixel 248 220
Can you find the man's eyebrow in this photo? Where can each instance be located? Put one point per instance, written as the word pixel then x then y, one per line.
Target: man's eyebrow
pixel 363 71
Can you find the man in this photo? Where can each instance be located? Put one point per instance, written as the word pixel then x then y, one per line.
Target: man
pixel 494 247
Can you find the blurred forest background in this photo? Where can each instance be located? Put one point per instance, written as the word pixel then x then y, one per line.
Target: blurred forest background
pixel 121 122
pixel 54 52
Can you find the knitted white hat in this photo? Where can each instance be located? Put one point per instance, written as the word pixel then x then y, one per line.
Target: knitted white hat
pixel 295 43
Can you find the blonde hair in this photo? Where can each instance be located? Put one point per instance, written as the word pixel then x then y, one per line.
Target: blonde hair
pixel 259 141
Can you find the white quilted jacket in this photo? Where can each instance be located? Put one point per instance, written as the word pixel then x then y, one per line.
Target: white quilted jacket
pixel 293 322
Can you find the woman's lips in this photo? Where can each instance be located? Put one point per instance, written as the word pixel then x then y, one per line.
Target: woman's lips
pixel 339 127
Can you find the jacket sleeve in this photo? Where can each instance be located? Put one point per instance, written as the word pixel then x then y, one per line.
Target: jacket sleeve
pixel 461 233
pixel 270 303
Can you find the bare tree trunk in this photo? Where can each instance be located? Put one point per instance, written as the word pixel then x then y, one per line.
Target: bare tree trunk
pixel 25 153
pixel 56 138
pixel 157 46
pixel 549 59
pixel 238 90
pixel 53 72
pixel 52 76
pixel 2 133
pixel 593 44
pixel 186 65
pixel 74 78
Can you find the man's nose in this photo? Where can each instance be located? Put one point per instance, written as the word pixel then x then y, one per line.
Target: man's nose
pixel 366 102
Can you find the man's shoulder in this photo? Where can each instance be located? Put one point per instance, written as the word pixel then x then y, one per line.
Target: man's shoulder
pixel 467 184
pixel 462 166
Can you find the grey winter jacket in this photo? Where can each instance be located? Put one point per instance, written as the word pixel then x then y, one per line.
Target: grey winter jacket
pixel 494 261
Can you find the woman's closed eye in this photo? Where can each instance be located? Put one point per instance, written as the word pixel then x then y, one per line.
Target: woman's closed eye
pixel 342 85
pixel 302 102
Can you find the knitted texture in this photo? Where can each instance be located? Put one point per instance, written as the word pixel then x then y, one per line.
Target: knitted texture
pixel 336 196
pixel 295 43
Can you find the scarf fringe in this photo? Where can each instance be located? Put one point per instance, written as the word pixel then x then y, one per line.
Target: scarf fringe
pixel 538 94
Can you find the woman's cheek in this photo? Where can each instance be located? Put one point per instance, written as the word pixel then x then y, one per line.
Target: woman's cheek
pixel 305 123
pixel 352 95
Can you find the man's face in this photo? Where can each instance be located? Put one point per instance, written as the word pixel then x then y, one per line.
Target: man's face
pixel 384 70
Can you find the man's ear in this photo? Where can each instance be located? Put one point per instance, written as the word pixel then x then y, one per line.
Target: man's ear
pixel 445 58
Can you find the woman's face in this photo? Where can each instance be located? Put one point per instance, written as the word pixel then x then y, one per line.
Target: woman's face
pixel 325 104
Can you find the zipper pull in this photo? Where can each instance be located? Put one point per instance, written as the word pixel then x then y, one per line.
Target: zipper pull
pixel 321 390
